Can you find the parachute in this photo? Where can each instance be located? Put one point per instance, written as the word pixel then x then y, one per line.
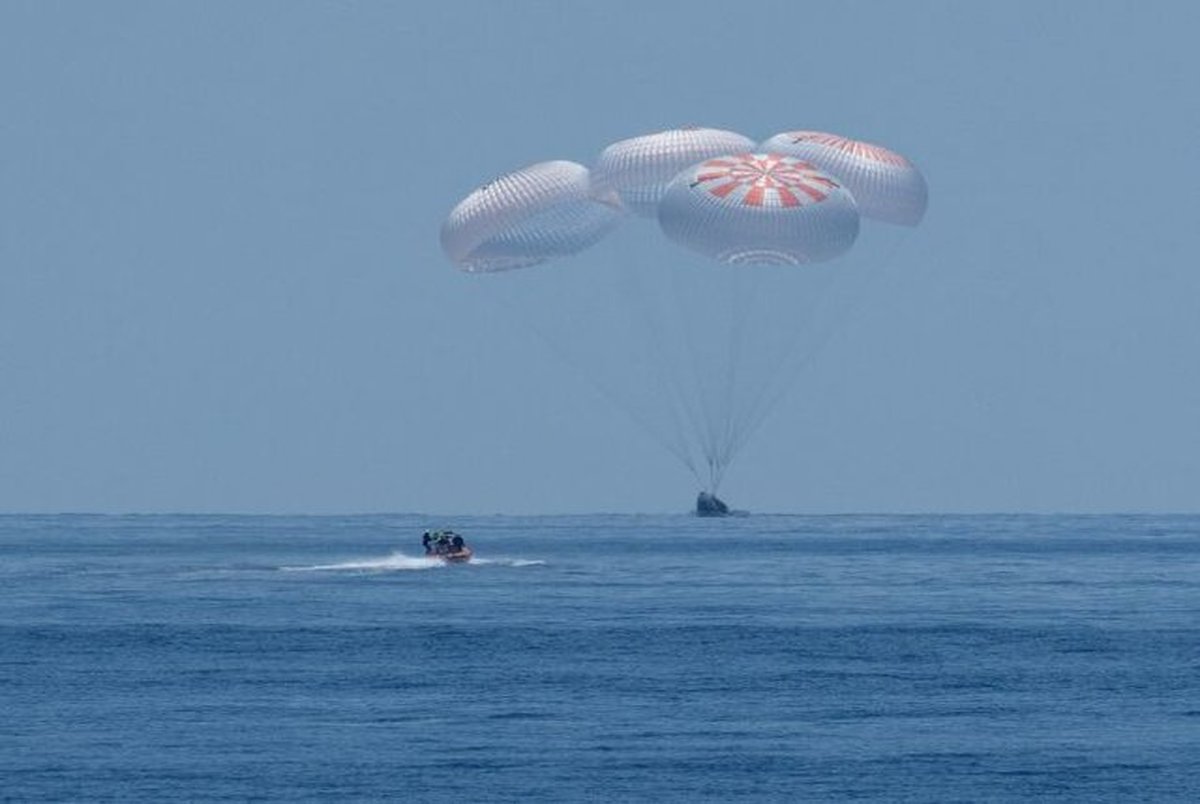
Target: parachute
pixel 526 217
pixel 886 186
pixel 697 344
pixel 759 208
pixel 639 169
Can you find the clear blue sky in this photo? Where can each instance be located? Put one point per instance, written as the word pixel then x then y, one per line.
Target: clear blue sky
pixel 221 287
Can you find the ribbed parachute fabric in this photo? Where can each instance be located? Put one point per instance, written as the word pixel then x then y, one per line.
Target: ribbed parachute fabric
pixel 759 208
pixel 640 168
pixel 769 218
pixel 886 185
pixel 528 216
pixel 697 345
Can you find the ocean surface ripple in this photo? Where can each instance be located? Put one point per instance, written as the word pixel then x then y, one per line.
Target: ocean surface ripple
pixel 614 658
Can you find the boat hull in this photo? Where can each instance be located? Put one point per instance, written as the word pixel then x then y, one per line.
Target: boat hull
pixel 461 557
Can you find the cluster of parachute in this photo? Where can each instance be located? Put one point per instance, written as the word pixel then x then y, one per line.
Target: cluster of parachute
pixel 796 199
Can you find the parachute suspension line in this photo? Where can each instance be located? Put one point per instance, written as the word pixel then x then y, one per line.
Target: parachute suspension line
pixel 689 392
pixel 651 321
pixel 797 200
pixel 742 298
pixel 747 208
pixel 742 393
pixel 730 288
pixel 783 369
pixel 735 311
pixel 857 287
pixel 681 367
pixel 553 345
pixel 700 380
pixel 737 292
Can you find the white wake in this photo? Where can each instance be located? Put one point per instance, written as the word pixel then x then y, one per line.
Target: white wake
pixel 510 562
pixel 395 562
pixel 399 562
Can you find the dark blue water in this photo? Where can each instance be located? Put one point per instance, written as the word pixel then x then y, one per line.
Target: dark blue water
pixel 602 658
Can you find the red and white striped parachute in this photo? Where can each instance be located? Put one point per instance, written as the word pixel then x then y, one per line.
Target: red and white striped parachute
pixel 886 186
pixel 670 339
pixel 762 208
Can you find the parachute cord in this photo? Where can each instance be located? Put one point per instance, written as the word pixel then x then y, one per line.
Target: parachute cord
pixel 731 289
pixel 744 399
pixel 788 370
pixel 738 292
pixel 638 297
pixel 678 449
pixel 704 428
pixel 682 381
pixel 742 299
pixel 657 317
pixel 779 368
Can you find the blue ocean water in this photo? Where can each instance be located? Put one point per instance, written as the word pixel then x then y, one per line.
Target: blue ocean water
pixel 600 658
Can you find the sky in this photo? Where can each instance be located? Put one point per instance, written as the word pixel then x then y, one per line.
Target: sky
pixel 221 286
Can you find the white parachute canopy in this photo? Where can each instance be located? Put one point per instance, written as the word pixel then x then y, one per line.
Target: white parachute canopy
pixel 696 347
pixel 528 216
pixel 639 169
pixel 748 321
pixel 886 186
pixel 759 208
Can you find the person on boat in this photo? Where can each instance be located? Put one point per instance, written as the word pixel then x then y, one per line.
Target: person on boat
pixel 456 543
pixel 435 542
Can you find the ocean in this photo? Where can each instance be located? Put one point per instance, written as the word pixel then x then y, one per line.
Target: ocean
pixel 600 658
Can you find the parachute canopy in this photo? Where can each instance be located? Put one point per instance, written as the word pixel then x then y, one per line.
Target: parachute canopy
pixel 695 351
pixel 639 169
pixel 886 186
pixel 527 217
pixel 759 208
